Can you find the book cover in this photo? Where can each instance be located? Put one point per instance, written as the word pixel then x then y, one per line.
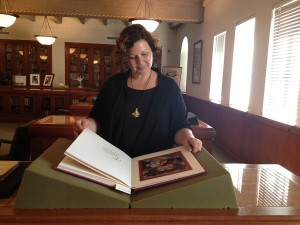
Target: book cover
pixel 93 158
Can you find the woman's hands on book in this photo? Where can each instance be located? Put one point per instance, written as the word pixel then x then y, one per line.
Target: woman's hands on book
pixel 183 137
pixel 83 123
pixel 186 137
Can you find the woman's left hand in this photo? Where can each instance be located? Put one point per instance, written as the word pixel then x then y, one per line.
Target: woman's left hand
pixel 186 137
pixel 193 144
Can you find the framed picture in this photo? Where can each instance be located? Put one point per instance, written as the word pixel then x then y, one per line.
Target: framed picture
pixel 197 60
pixel 34 79
pixel 48 80
pixel 173 72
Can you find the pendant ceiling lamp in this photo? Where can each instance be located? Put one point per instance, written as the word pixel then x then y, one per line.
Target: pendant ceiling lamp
pixel 147 18
pixel 6 19
pixel 43 38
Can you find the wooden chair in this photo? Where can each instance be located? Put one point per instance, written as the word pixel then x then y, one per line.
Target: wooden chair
pixel 19 146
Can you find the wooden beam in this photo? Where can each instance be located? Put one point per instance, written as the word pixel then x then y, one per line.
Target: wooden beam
pixel 56 19
pixel 30 17
pixel 82 19
pixel 174 26
pixel 188 11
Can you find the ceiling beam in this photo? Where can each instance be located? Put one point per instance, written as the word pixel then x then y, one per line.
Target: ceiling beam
pixel 82 19
pixel 30 17
pixel 56 19
pixel 174 26
pixel 188 11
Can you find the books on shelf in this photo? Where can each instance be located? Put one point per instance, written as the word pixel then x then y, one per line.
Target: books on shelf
pixel 93 158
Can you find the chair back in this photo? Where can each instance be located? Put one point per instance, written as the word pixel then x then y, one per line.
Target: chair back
pixel 20 146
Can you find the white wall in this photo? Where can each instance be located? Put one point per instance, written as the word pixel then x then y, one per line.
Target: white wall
pixel 220 15
pixel 224 15
pixel 93 31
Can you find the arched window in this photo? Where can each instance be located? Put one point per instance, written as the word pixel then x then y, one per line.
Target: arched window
pixel 183 63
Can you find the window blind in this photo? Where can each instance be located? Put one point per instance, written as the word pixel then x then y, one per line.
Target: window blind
pixel 281 98
pixel 217 66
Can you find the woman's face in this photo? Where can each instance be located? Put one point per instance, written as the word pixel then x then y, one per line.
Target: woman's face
pixel 140 57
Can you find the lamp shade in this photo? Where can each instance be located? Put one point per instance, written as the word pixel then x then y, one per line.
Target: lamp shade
pixel 45 40
pixel 6 19
pixel 149 24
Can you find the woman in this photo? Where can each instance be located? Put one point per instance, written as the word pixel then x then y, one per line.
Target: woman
pixel 140 111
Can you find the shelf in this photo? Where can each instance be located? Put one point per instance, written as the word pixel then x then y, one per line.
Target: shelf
pixel 23 57
pixel 24 104
pixel 87 59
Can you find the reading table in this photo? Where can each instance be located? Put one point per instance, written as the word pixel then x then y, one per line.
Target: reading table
pixel 45 131
pixel 81 109
pixel 266 194
pixel 205 133
pixel 201 130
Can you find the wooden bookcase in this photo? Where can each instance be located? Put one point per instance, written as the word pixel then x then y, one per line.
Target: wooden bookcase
pixel 22 57
pixel 94 63
pixel 25 104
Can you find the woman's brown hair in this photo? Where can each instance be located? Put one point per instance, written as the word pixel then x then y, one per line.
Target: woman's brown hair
pixel 134 33
pixel 126 40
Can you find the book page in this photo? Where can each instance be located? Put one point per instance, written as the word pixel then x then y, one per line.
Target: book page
pixel 73 167
pixel 163 167
pixel 99 155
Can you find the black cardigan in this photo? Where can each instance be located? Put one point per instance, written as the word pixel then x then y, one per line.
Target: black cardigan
pixel 162 110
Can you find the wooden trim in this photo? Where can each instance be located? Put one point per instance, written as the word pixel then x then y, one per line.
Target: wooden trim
pixel 176 10
pixel 250 138
pixel 56 99
pixel 255 215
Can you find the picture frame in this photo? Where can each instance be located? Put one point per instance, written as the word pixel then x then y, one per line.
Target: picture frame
pixel 48 80
pixel 197 61
pixel 34 80
pixel 173 72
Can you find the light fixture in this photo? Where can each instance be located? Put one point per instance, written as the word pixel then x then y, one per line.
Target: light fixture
pixel 146 19
pixel 43 57
pixel 72 50
pixel 82 55
pixel 45 39
pixel 7 19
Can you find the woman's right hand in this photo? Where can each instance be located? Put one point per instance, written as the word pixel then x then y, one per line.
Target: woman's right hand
pixel 83 123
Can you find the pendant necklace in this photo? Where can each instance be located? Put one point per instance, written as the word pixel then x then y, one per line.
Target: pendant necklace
pixel 136 112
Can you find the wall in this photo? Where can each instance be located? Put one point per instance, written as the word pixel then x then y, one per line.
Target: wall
pixel 249 138
pixel 93 31
pixel 245 135
pixel 224 15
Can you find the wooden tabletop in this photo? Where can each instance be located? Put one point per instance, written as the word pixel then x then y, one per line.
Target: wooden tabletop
pixel 267 194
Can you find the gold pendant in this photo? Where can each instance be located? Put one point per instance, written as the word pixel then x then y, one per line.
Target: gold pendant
pixel 136 113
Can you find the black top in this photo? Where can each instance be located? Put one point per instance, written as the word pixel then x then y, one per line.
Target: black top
pixel 162 110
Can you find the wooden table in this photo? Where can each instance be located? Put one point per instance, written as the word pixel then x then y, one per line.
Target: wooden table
pixel 45 131
pixel 267 194
pixel 206 134
pixel 81 109
pixel 202 130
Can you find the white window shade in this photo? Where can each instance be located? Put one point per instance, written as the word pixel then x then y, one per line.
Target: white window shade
pixel 281 98
pixel 217 66
pixel 242 65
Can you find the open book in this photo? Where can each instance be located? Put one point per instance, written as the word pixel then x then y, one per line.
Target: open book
pixel 93 158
